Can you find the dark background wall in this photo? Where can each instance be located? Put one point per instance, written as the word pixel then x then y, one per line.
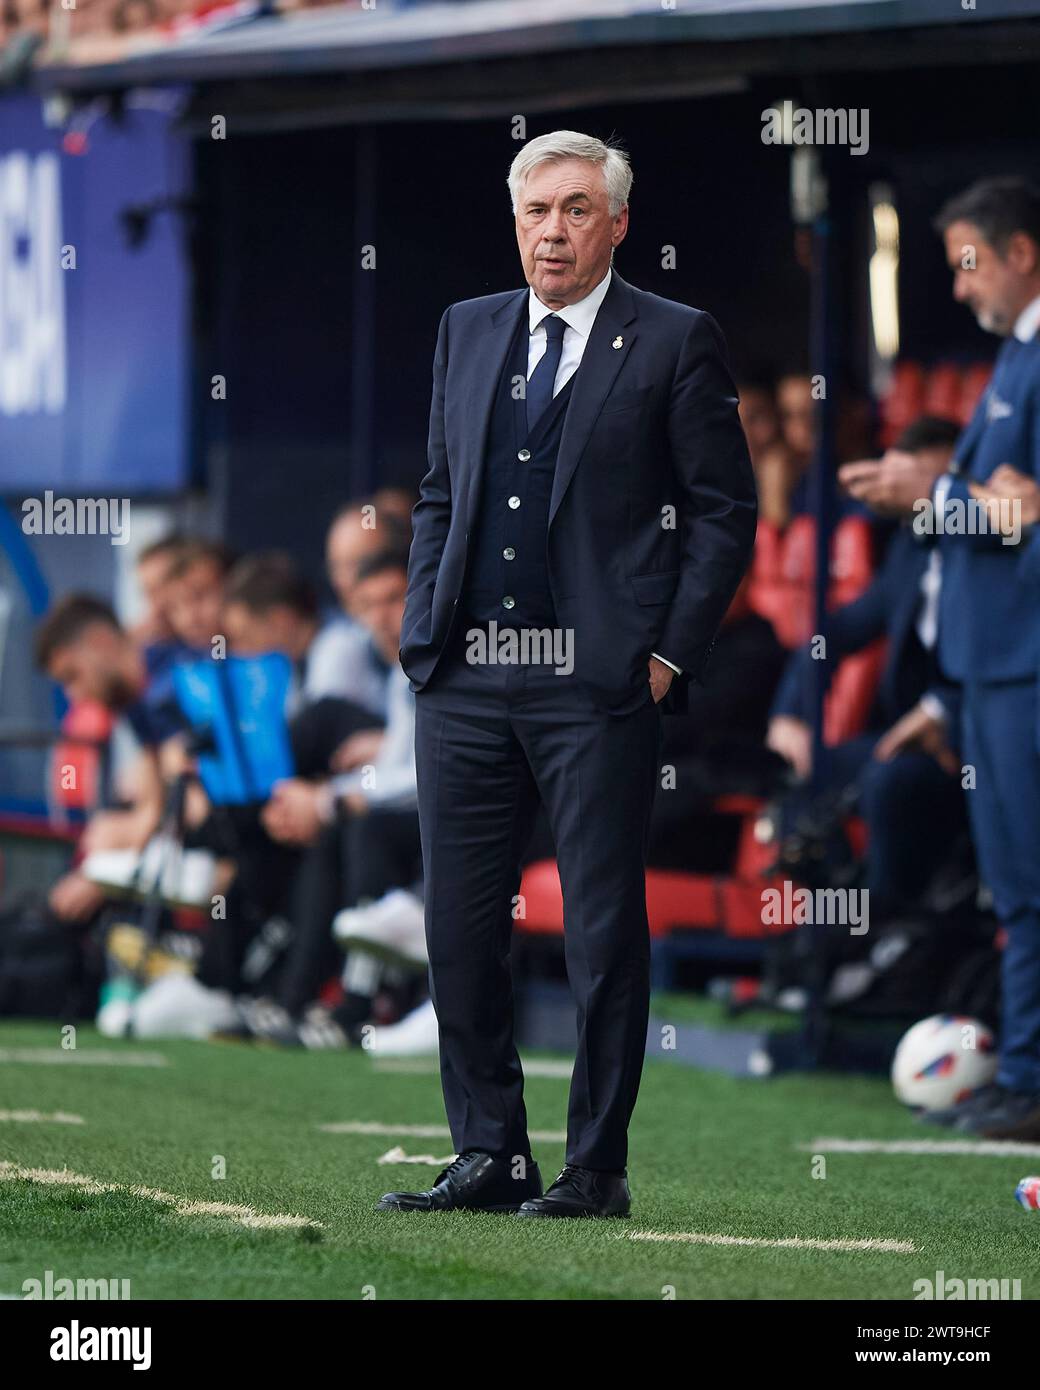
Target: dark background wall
pixel 278 273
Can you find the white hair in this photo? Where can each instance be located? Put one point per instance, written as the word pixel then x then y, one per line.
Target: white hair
pixel 571 144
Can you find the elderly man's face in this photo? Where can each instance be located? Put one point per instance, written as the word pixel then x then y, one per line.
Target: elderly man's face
pixel 565 231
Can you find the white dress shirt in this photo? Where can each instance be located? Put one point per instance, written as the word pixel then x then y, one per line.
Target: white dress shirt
pixel 579 319
pixel 1028 322
pixel 927 624
pixel 342 662
pixel 390 780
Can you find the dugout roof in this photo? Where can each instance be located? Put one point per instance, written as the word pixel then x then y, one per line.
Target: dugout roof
pixel 485 57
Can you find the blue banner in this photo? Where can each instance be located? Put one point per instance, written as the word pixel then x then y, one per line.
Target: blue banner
pixel 94 299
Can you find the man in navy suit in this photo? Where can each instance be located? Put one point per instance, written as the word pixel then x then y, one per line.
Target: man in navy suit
pixel 587 516
pixel 989 618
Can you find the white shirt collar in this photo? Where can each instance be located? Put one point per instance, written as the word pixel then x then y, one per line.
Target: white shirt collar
pixel 579 316
pixel 1028 322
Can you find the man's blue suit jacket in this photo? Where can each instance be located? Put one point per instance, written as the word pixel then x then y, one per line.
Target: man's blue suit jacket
pixel 653 510
pixel 989 624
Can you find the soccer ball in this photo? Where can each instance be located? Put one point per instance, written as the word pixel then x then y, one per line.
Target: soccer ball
pixel 942 1060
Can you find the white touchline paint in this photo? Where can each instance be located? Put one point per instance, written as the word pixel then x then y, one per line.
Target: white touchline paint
pixel 555 1071
pixel 184 1206
pixel 375 1127
pixel 978 1148
pixel 82 1056
pixel 36 1117
pixel 406 1068
pixel 398 1155
pixel 541 1136
pixel 893 1247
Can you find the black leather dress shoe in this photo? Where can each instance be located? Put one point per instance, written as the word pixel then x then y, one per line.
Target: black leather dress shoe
pixel 582 1192
pixel 993 1112
pixel 1017 1118
pixel 474 1182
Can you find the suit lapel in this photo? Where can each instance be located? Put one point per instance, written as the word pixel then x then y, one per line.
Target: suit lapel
pixel 476 385
pixel 600 364
pixel 964 451
pixel 967 445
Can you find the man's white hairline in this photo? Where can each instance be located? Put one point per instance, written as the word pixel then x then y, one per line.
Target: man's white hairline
pixel 571 144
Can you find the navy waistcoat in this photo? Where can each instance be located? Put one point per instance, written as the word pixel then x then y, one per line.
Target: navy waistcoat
pixel 508 575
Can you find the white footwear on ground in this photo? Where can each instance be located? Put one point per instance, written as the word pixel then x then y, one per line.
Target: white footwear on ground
pixel 177 1006
pixel 392 928
pixel 188 875
pixel 414 1036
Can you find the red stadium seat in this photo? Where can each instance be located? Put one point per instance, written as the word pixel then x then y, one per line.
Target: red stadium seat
pixel 943 391
pixel 75 764
pixel 903 402
pixel 946 389
pixel 541 898
pixel 974 382
pixel 783 573
pixel 852 560
pixel 727 904
pixel 851 694
pixel 730 905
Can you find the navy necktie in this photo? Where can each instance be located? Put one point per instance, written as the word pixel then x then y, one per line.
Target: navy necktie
pixel 540 386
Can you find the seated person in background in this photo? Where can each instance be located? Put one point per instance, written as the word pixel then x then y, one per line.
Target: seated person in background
pixel 344 645
pixel 719 748
pixel 82 647
pixel 782 585
pixel 195 593
pixel 758 415
pixel 194 603
pixel 360 825
pixel 271 607
pixel 905 773
pixel 382 768
pixel 781 465
pixel 397 503
pixel 155 568
pixel 152 570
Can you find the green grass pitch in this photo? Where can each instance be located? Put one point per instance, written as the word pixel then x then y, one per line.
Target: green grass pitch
pixel 709 1154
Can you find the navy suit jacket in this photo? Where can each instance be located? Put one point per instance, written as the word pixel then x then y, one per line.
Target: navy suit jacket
pixel 989 625
pixel 653 510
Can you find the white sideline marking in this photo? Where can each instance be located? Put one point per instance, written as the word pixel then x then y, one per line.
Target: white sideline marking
pixel 184 1206
pixel 36 1117
pixel 85 1056
pixel 980 1148
pixel 410 1068
pixel 557 1071
pixel 542 1136
pixel 398 1155
pixel 894 1247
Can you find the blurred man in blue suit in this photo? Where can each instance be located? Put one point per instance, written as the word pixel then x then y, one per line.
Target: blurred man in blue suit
pixel 989 619
pixel 589 483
